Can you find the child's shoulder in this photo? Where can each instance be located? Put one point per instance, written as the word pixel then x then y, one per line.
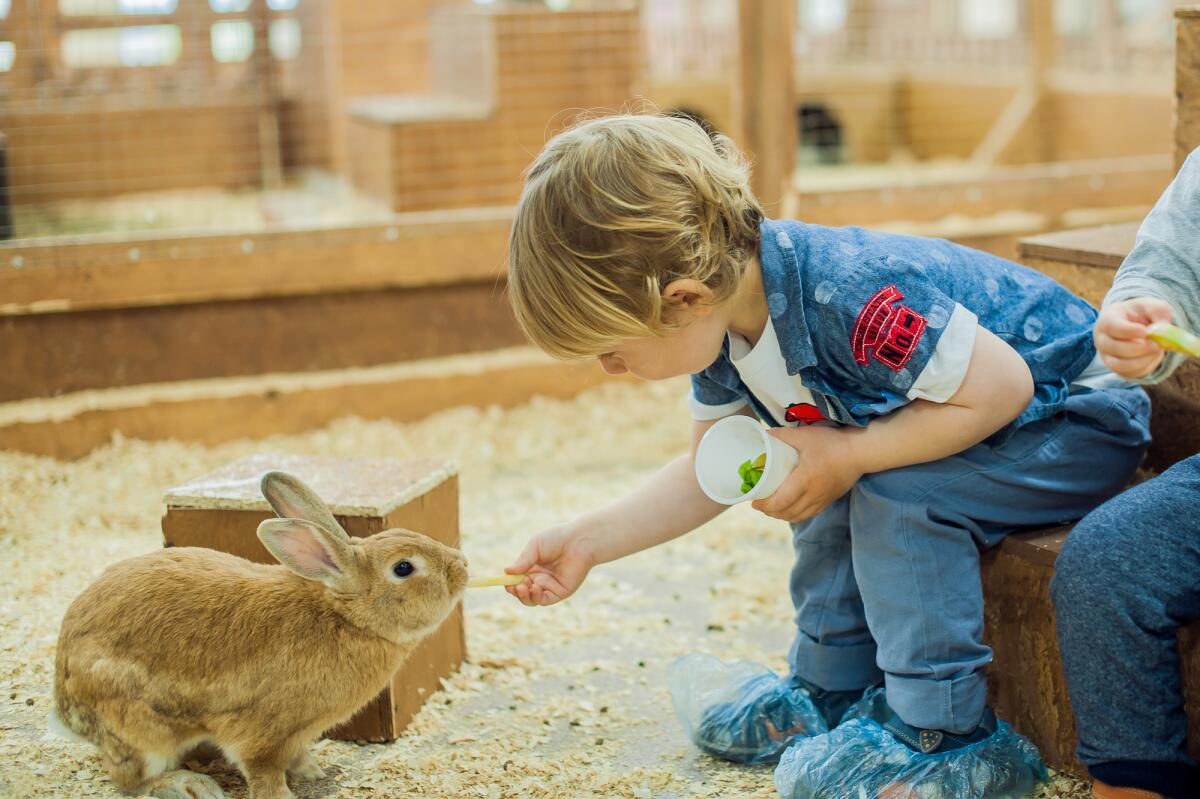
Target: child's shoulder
pixel 847 249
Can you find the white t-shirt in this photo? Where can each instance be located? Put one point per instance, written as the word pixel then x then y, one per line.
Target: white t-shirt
pixel 790 402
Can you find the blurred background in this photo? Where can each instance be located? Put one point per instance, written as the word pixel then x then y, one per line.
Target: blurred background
pixel 205 115
pixel 208 189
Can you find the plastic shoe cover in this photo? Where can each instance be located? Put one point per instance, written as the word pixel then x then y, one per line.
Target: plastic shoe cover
pixel 861 760
pixel 740 711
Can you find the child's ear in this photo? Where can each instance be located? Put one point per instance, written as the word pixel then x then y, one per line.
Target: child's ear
pixel 688 294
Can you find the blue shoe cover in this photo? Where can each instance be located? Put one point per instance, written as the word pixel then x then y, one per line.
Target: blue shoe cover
pixel 740 711
pixel 861 760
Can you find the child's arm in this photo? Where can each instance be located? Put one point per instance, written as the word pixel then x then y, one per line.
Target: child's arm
pixel 664 507
pixel 996 388
pixel 1159 282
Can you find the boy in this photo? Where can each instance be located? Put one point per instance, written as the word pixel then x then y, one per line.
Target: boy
pixel 938 397
pixel 1129 574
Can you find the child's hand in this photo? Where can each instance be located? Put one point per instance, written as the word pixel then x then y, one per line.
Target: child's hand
pixel 1121 335
pixel 556 562
pixel 826 472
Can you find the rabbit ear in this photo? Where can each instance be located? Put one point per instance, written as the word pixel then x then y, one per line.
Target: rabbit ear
pixel 292 499
pixel 308 549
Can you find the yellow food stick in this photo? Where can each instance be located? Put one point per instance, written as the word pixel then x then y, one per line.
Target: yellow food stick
pixel 503 579
pixel 1170 337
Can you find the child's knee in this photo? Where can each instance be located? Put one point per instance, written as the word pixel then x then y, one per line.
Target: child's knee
pixel 1089 567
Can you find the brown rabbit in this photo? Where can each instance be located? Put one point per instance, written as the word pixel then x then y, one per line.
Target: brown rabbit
pixel 189 646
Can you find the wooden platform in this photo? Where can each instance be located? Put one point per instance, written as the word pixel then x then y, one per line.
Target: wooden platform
pixel 1026 681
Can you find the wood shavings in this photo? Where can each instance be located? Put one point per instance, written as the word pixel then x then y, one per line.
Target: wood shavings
pixel 565 702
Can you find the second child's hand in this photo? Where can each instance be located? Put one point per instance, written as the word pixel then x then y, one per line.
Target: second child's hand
pixel 1122 335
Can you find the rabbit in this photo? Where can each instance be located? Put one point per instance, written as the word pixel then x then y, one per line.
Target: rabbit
pixel 188 646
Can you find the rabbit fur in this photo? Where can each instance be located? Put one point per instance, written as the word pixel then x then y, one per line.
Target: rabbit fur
pixel 187 646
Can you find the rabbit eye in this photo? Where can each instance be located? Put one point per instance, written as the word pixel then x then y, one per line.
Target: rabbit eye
pixel 403 569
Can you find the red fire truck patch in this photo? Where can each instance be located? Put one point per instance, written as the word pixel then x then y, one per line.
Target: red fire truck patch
pixel 803 413
pixel 888 331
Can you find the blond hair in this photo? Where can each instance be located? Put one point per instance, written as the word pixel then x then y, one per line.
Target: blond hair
pixel 615 209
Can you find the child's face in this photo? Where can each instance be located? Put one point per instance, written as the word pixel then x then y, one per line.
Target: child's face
pixel 690 348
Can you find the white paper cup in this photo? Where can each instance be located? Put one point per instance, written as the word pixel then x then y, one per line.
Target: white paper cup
pixel 727 445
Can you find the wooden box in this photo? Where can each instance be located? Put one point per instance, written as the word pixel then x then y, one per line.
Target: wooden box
pixel 221 510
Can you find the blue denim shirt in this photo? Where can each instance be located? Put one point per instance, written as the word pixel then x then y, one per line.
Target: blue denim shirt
pixel 859 313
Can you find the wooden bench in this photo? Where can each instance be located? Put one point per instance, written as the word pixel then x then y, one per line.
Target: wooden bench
pixel 1026 680
pixel 221 510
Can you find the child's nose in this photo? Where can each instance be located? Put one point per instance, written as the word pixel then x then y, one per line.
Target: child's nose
pixel 612 365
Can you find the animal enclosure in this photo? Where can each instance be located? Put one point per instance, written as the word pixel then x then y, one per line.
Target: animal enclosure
pixel 237 227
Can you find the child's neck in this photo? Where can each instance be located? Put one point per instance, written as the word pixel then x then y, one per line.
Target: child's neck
pixel 748 310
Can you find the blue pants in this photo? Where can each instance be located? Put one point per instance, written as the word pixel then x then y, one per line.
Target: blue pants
pixel 886 582
pixel 1128 576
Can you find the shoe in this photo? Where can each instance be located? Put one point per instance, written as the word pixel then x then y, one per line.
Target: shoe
pixel 746 713
pixel 863 758
pixel 1103 791
pixel 927 742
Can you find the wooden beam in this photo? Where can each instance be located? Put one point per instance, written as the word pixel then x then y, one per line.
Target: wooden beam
pixel 1047 189
pixel 1017 116
pixel 113 271
pixel 51 354
pixel 764 101
pixel 1187 82
pixel 213 411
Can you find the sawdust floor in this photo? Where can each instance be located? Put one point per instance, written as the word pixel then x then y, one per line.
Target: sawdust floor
pixel 568 701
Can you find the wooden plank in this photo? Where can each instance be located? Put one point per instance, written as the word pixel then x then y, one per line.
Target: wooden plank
pixel 51 354
pixel 1187 82
pixel 213 411
pixel 1038 546
pixel 1026 685
pixel 1105 247
pixel 764 98
pixel 118 271
pixel 1051 190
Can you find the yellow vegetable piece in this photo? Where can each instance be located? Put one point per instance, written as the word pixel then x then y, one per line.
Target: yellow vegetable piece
pixel 503 579
pixel 760 462
pixel 1170 337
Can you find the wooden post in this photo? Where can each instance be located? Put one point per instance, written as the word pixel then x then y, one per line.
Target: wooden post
pixel 1027 119
pixel 1187 81
pixel 858 27
pixel 18 28
pixel 1043 44
pixel 267 82
pixel 6 216
pixel 763 98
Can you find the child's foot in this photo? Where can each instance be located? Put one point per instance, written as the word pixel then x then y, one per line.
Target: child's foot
pixel 746 713
pixel 886 758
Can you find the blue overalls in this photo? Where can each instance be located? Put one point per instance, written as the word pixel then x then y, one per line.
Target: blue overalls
pixel 886 580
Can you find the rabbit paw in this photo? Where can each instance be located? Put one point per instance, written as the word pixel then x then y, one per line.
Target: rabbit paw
pixel 304 768
pixel 186 785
